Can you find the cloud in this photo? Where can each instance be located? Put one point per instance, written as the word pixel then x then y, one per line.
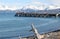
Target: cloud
pixel 6 7
pixel 52 7
pixel 54 2
pixel 47 2
pixel 2 7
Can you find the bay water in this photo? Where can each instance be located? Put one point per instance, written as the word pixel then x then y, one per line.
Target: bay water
pixel 12 27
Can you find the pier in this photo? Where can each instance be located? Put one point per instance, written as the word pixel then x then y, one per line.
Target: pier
pixel 22 14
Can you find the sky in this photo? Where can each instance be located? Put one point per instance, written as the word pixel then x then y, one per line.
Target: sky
pixel 18 4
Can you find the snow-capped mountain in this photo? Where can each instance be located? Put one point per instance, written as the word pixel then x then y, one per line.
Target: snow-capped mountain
pixel 34 7
pixel 39 9
pixel 42 7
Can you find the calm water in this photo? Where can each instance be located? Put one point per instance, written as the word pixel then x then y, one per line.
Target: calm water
pixel 11 27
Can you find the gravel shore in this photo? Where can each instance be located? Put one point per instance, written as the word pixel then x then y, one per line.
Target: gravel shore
pixel 49 35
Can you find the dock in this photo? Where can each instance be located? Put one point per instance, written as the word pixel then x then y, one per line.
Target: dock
pixel 22 14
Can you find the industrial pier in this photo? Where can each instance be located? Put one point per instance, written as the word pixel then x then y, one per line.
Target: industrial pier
pixel 22 14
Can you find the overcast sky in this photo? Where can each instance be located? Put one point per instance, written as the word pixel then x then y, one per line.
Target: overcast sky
pixel 14 4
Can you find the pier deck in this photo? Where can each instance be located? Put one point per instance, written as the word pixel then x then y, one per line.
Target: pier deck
pixel 36 15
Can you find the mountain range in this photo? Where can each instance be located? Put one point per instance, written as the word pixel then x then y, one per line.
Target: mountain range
pixel 40 7
pixel 35 9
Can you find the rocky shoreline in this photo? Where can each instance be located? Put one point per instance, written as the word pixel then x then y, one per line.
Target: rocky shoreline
pixel 50 35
